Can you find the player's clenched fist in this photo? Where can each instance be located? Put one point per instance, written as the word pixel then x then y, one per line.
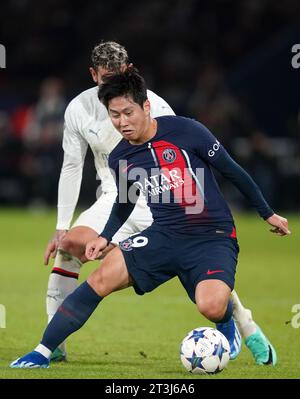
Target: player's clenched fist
pixel 280 224
pixel 95 247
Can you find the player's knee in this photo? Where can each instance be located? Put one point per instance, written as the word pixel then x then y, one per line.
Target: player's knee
pixel 69 245
pixel 212 308
pixel 99 281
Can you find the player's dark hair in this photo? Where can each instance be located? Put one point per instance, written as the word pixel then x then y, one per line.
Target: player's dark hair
pixel 129 84
pixel 109 55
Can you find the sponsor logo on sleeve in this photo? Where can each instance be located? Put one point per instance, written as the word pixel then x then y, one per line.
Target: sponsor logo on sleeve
pixel 214 149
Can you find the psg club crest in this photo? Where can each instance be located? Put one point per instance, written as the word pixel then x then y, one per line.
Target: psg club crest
pixel 126 245
pixel 169 155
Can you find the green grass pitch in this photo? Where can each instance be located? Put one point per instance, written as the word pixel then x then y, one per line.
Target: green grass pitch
pixel 138 337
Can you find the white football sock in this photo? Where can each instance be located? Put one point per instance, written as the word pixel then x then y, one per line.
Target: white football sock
pixel 43 351
pixel 243 317
pixel 62 282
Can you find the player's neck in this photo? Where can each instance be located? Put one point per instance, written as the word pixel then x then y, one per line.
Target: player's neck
pixel 150 132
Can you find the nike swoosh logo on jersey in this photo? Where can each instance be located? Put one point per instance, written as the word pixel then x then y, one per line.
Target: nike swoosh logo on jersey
pixel 214 271
pixel 126 168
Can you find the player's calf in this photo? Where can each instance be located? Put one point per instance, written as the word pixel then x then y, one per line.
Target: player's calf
pixel 71 315
pixel 212 298
pixel 65 272
pixel 63 280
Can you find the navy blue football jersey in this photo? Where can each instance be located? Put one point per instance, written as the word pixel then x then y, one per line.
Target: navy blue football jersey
pixel 173 171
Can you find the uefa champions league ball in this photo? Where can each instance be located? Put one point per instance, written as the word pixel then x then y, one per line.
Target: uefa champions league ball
pixel 205 351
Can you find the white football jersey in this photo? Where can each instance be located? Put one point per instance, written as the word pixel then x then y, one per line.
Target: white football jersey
pixel 87 124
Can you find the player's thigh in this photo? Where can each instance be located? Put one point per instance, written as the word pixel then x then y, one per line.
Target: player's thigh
pixel 112 275
pixel 149 258
pixel 207 258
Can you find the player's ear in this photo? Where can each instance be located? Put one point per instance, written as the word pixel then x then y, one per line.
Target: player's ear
pixel 94 74
pixel 147 107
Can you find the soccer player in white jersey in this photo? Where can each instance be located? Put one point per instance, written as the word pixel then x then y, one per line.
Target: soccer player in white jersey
pixel 87 124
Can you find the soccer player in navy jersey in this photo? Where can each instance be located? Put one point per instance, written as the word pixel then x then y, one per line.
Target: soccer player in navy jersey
pixel 168 160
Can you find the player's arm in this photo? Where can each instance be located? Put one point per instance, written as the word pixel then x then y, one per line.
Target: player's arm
pixel 207 147
pixel 121 211
pixel 75 148
pixel 232 171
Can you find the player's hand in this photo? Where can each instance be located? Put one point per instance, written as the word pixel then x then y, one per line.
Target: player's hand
pixel 53 245
pixel 280 225
pixel 94 248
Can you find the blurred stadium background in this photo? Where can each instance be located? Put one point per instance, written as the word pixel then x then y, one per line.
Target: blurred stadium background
pixel 226 63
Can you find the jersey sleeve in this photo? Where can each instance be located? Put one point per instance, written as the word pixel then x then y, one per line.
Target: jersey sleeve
pixel 203 142
pixel 75 148
pixel 124 203
pixel 73 142
pixel 206 146
pixel 232 171
pixel 158 106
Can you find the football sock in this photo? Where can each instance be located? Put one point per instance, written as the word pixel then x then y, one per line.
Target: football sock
pixel 70 316
pixel 43 351
pixel 62 282
pixel 228 314
pixel 243 317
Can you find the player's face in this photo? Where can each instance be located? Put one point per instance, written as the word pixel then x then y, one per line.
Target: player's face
pixel 99 73
pixel 130 119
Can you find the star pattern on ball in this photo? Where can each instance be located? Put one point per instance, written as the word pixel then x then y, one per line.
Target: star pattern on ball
pixel 204 351
pixel 197 334
pixel 195 361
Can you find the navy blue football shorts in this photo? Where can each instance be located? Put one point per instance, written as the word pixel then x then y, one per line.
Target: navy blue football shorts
pixel 157 254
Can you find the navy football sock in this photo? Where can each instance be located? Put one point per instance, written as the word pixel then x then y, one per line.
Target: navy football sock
pixel 71 315
pixel 228 314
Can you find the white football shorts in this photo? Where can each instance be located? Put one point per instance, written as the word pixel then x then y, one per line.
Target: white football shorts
pixel 98 214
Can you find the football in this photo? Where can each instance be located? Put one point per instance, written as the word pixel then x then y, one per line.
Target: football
pixel 205 351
